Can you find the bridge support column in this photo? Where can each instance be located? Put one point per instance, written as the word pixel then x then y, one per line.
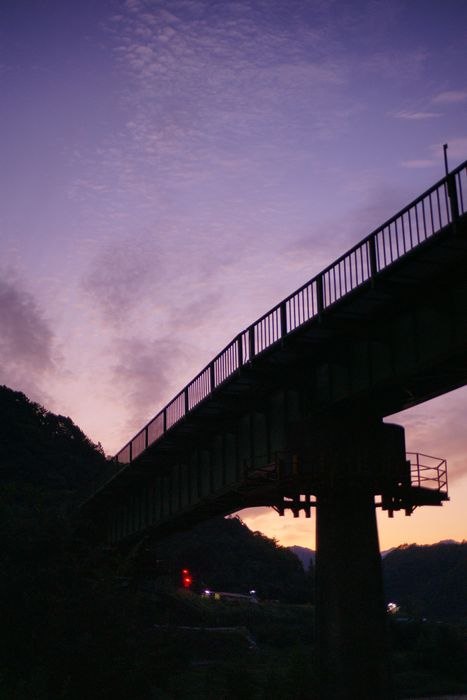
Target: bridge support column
pixel 350 615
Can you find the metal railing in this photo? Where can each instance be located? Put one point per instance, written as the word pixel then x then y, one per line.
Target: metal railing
pixel 428 472
pixel 439 206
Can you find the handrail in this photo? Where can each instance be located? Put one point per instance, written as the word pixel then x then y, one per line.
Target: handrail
pixel 428 472
pixel 437 207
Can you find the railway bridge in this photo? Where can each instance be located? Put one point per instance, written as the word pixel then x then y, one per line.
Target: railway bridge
pixel 291 415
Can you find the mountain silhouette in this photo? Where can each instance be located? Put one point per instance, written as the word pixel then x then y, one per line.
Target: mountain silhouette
pixel 44 450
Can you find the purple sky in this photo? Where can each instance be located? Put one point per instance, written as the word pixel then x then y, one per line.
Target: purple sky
pixel 171 168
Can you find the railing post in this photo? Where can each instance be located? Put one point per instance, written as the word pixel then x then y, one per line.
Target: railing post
pixel 131 451
pixel 283 315
pixel 164 421
pixel 319 295
pixel 452 194
pixel 212 376
pixel 185 397
pixel 146 438
pixel 251 342
pixel 372 255
pixel 240 350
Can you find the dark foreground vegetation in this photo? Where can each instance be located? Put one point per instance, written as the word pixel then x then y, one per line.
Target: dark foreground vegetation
pixel 80 622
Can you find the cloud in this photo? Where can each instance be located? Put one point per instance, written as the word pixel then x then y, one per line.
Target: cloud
pixel 438 428
pixel 396 65
pixel 379 199
pixel 205 80
pixel 120 274
pixel 145 373
pixel 143 277
pixel 420 163
pixel 450 97
pixel 416 116
pixel 218 96
pixel 26 340
pixel 159 316
pixel 457 148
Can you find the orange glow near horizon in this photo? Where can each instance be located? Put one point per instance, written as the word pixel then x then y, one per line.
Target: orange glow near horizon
pixel 436 428
pixel 427 525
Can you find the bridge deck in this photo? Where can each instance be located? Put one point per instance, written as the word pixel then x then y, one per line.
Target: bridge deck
pixel 419 250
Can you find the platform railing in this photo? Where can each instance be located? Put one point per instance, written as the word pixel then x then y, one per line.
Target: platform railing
pixel 428 472
pixel 423 218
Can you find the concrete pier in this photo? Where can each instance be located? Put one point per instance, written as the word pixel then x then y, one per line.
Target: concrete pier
pixel 351 617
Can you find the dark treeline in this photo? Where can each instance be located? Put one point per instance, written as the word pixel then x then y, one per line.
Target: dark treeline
pixel 60 635
pixel 43 450
pixel 225 555
pixel 429 581
pixel 79 621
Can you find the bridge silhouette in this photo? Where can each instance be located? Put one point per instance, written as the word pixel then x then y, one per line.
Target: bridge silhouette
pixel 290 415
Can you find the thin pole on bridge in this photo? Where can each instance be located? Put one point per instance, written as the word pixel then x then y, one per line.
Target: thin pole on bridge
pixel 445 153
pixel 451 189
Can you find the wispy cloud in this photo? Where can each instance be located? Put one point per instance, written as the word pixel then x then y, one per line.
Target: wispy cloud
pixel 218 97
pixel 119 277
pixel 437 429
pixel 450 97
pixel 144 373
pixel 416 116
pixel 457 148
pixel 405 65
pixel 205 83
pixel 419 163
pixel 159 314
pixel 26 340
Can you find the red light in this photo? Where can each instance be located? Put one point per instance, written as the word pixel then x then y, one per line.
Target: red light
pixel 187 579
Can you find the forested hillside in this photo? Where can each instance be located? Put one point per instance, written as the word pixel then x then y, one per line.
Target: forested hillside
pixel 57 618
pixel 425 580
pixel 43 450
pixel 429 581
pixel 224 555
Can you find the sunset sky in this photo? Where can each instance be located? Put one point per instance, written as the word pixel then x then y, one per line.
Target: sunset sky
pixel 170 169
